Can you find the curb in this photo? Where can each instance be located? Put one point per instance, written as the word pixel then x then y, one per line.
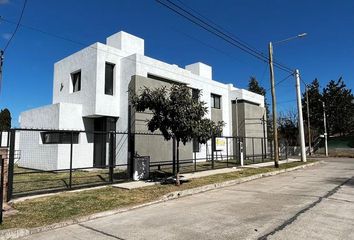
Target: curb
pixel 21 232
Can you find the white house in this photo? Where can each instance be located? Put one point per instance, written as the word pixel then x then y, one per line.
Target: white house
pixel 90 93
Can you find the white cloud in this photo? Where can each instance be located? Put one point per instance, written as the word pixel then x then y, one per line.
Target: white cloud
pixel 6 36
pixel 4 1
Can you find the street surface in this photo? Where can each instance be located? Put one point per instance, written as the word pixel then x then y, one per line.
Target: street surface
pixel 314 203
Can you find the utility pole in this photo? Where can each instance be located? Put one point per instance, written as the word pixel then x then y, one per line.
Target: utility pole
pixel 325 128
pixel 301 120
pixel 308 120
pixel 274 108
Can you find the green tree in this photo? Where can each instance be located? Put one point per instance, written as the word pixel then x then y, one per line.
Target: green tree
pixel 339 108
pixel 5 119
pixel 315 108
pixel 253 86
pixel 177 115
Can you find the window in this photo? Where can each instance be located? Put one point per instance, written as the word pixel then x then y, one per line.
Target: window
pixel 59 137
pixel 215 101
pixel 76 81
pixel 109 75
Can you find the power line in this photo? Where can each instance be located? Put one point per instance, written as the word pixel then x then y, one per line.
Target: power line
pixel 17 26
pixel 95 48
pixel 279 82
pixel 219 33
pixel 215 24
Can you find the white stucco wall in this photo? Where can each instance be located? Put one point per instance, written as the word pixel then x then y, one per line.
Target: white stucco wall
pixel 70 109
pixel 35 154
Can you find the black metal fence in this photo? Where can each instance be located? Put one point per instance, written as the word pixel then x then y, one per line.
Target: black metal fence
pixel 42 161
pixel 45 160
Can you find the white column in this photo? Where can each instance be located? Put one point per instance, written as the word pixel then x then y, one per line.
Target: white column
pixel 301 120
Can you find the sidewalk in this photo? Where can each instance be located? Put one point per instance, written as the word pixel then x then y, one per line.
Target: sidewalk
pixel 140 184
pixel 267 164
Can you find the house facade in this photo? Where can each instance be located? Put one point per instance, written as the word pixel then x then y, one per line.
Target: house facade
pixel 91 94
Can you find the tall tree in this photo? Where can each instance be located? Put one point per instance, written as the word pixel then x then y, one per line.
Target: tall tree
pixel 5 119
pixel 315 108
pixel 339 107
pixel 253 86
pixel 176 113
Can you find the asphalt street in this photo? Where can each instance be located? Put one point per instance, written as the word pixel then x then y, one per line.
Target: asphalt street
pixel 312 203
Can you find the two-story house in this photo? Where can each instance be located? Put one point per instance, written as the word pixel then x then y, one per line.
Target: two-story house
pixel 91 93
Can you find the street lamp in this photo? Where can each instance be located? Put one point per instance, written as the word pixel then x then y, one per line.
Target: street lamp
pixel 274 110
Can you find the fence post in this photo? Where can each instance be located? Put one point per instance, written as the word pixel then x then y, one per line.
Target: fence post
pixel 11 165
pixel 1 188
pixel 262 139
pixel 111 156
pixel 253 149
pixel 227 152
pixel 195 161
pixel 71 159
pixel 212 150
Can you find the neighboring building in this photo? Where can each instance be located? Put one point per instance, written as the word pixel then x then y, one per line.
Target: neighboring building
pixel 90 93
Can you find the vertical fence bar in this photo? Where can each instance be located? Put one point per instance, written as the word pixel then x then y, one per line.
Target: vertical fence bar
pixel 262 139
pixel 253 149
pixel 1 188
pixel 111 156
pixel 271 149
pixel 11 165
pixel 195 161
pixel 227 152
pixel 212 151
pixel 71 159
pixel 265 147
pixel 206 151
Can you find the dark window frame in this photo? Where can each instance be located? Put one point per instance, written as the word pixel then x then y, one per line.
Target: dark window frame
pixel 109 82
pixel 59 137
pixel 76 81
pixel 215 101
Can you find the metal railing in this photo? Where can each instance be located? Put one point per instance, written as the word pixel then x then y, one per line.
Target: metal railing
pixel 46 160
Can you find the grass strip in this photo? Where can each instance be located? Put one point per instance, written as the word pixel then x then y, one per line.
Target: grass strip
pixel 69 205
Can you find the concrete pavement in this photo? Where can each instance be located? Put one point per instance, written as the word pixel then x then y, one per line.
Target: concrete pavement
pixel 314 203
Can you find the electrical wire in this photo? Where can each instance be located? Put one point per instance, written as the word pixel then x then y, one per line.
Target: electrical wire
pixel 108 52
pixel 212 29
pixel 17 26
pixel 279 82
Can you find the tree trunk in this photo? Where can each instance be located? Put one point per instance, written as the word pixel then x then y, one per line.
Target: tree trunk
pixel 174 156
pixel 177 175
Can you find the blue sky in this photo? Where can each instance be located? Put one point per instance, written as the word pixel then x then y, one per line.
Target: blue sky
pixel 326 53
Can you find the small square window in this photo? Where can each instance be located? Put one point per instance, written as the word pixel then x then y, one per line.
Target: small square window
pixel 215 101
pixel 76 81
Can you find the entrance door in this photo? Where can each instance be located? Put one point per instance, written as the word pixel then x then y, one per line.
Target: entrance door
pixel 102 126
pixel 99 152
